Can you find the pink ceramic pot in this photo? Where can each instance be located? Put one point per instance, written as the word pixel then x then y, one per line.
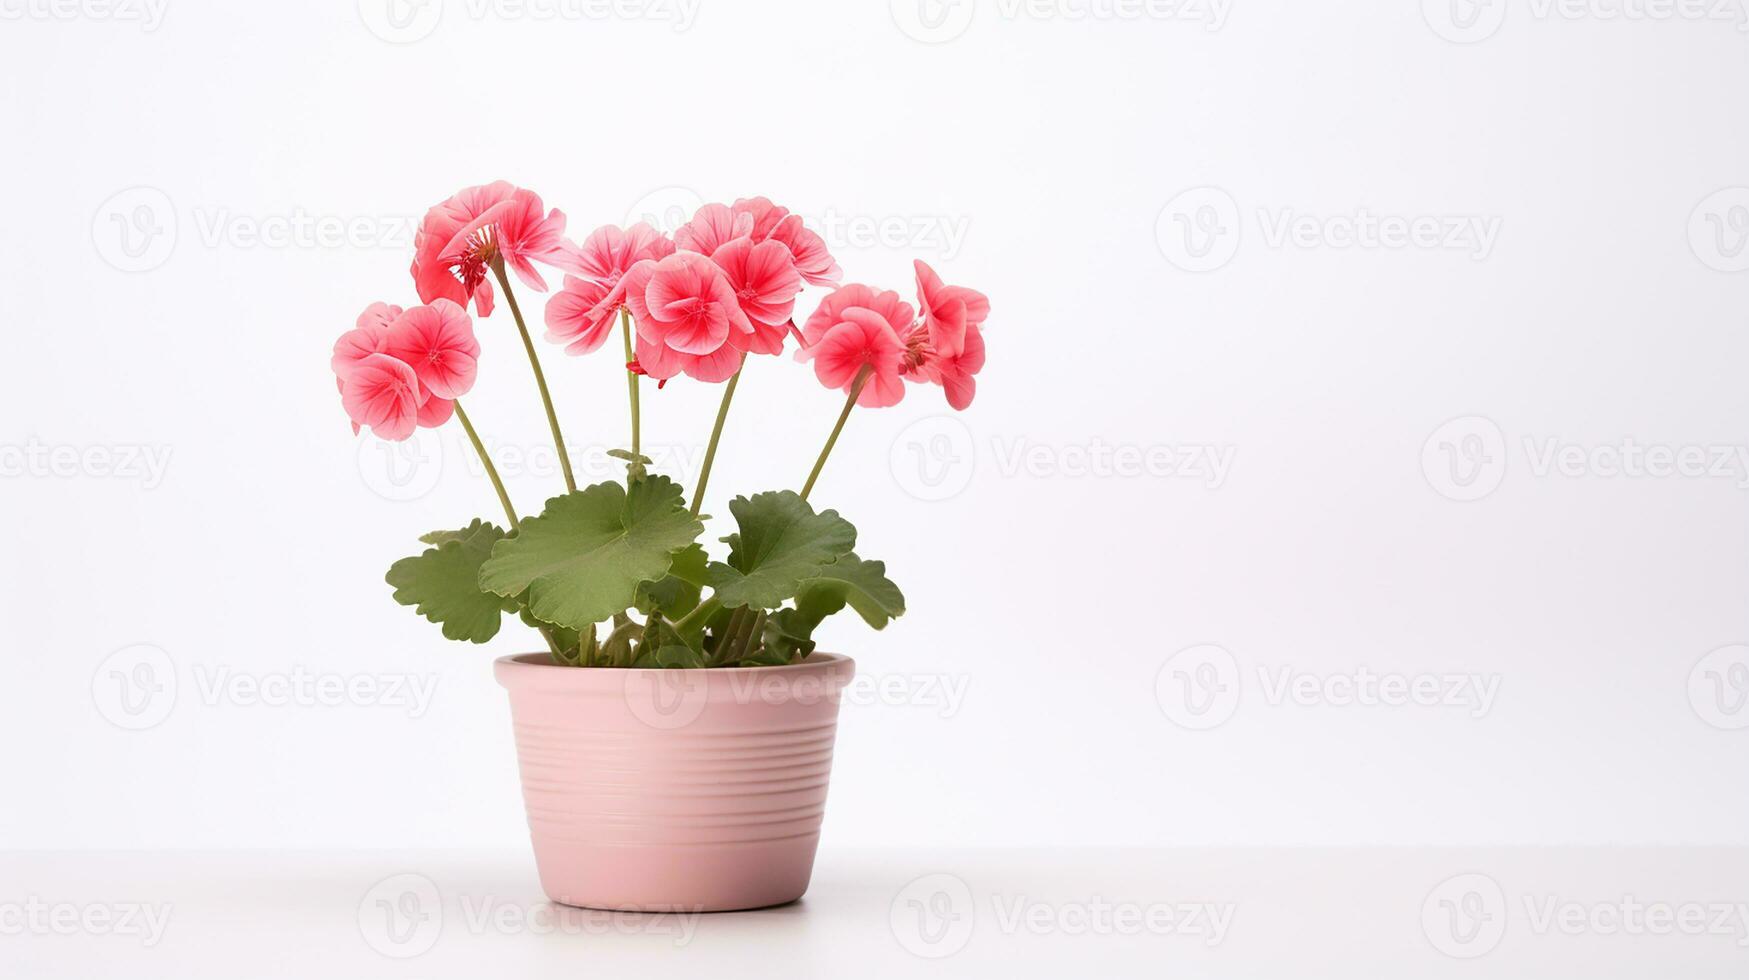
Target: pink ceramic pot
pixel 690 790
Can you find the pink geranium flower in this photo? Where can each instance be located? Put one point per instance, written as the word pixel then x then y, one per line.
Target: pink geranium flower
pixel 685 311
pixel 774 223
pixel 712 226
pixel 437 341
pixel 461 237
pixel 577 315
pixel 857 328
pixel 368 336
pixel 948 311
pixel 954 373
pixel 765 283
pixel 609 252
pixel 382 392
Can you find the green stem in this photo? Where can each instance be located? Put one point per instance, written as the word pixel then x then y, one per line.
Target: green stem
pixel 832 440
pixel 710 452
pixel 695 620
pixel 491 471
pixel 540 378
pixel 503 498
pixel 625 322
pixel 755 636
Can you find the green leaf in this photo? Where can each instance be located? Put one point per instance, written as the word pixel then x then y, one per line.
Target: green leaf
pixel 781 544
pixel 584 557
pixel 788 637
pixel 678 592
pixel 862 584
pixel 661 646
pixel 442 583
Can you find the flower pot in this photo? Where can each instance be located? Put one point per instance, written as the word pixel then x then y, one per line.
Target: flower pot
pixel 688 790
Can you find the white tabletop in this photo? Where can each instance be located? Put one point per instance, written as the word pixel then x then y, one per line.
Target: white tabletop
pixel 1315 912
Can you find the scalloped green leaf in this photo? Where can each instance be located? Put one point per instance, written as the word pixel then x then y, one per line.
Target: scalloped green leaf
pixel 583 559
pixel 781 543
pixel 442 583
pixel 861 584
pixel 678 592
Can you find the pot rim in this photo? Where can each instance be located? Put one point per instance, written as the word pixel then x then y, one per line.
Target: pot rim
pixel 537 672
pixel 817 660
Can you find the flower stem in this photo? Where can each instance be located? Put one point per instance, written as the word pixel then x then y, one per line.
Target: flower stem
pixel 710 453
pixel 503 498
pixel 491 471
pixel 540 378
pixel 637 464
pixel 832 440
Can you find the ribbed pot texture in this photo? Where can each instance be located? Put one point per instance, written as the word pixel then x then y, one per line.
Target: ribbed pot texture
pixel 674 790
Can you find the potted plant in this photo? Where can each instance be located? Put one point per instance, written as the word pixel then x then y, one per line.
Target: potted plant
pixel 675 731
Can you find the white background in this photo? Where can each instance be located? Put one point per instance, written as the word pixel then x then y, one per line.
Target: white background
pixel 1608 306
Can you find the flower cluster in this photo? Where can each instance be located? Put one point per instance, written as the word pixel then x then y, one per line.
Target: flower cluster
pixel 723 287
pixel 400 369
